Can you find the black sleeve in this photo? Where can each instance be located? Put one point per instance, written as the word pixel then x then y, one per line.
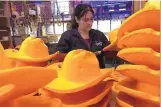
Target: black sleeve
pixel 63 45
pixel 104 40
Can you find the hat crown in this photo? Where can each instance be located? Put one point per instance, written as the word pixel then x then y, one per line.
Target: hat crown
pixel 113 35
pixel 34 47
pixel 154 4
pixel 80 66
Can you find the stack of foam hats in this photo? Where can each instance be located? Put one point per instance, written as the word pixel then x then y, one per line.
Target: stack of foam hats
pixel 80 81
pixel 76 82
pixel 139 41
pixel 21 74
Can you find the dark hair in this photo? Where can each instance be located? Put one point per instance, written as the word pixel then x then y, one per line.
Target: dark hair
pixel 79 12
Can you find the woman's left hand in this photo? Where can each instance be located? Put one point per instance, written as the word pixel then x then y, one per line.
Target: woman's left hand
pixel 97 53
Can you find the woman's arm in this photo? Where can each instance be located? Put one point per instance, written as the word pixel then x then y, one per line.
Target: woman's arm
pixel 60 57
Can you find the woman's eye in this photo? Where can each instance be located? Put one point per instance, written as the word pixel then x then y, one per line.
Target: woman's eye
pixel 86 20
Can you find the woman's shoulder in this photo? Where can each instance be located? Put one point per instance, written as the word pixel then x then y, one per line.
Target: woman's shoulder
pixel 98 34
pixel 70 32
pixel 67 33
pixel 95 31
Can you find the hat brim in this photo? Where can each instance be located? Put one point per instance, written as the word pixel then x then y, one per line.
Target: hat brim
pixel 61 85
pixel 141 38
pixel 140 73
pixel 16 55
pixel 112 46
pixel 57 66
pixel 149 57
pixel 36 101
pixel 125 100
pixel 85 97
pixel 7 63
pixel 5 91
pixel 32 77
pixel 128 86
pixel 143 15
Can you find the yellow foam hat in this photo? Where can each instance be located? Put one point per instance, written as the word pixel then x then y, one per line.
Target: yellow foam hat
pixel 80 70
pixel 9 62
pixel 141 38
pixel 124 100
pixel 113 40
pixel 17 47
pixel 140 90
pixel 113 35
pixel 5 62
pixel 57 66
pixel 32 50
pixel 148 17
pixel 1 47
pixel 25 80
pixel 141 56
pixel 140 73
pixel 82 98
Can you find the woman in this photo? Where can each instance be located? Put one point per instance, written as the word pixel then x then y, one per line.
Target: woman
pixel 81 36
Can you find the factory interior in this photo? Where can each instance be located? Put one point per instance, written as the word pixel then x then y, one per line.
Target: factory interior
pixel 80 53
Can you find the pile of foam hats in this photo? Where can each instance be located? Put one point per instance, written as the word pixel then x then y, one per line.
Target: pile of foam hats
pixel 139 41
pixel 80 81
pixel 76 82
pixel 23 72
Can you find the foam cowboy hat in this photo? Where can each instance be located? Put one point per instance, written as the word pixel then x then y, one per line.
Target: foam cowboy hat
pixel 140 90
pixel 14 81
pixel 149 17
pixel 80 70
pixel 124 100
pixel 141 73
pixel 5 62
pixel 146 37
pixel 32 50
pixel 141 56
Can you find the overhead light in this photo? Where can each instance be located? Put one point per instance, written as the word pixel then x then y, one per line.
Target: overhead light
pixel 111 10
pixel 122 9
pixel 111 5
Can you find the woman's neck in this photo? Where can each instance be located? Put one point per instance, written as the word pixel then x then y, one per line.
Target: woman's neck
pixel 84 34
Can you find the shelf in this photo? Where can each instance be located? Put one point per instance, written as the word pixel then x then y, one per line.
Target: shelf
pixel 4 40
pixel 3 30
pixel 16 36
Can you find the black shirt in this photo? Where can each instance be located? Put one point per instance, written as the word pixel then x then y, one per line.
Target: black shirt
pixel 71 40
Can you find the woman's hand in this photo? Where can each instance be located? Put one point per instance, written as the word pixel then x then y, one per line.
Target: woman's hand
pixel 97 53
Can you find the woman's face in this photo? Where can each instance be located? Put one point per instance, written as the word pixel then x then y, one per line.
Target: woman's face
pixel 85 23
